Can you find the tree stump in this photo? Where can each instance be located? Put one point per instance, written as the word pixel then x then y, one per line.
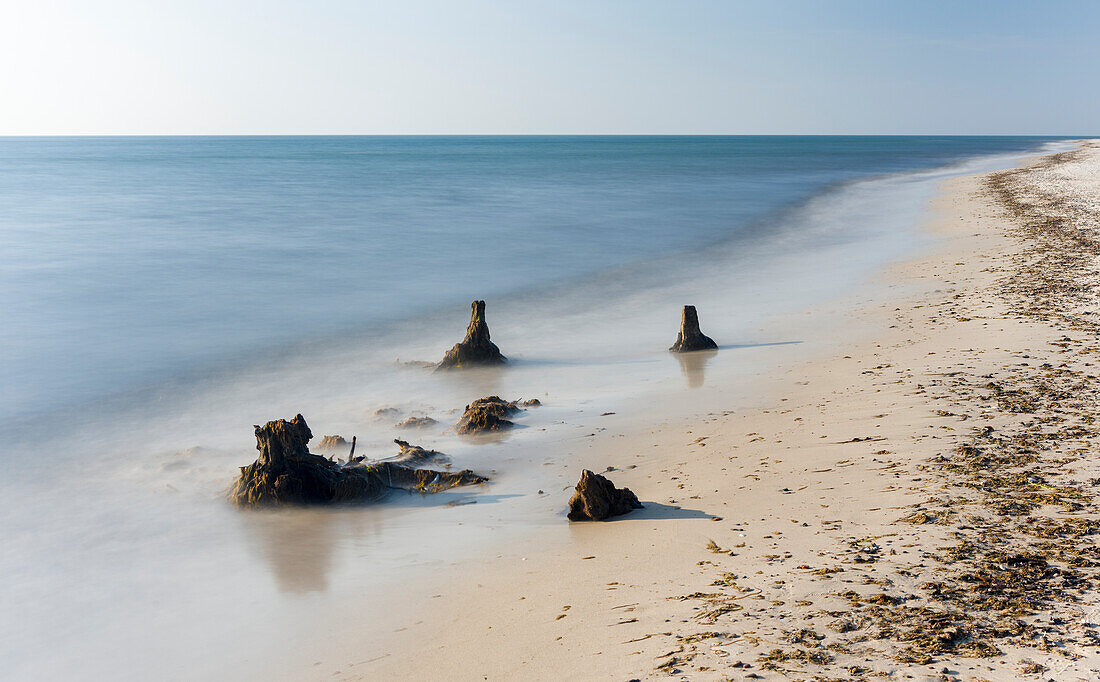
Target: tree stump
pixel 476 348
pixel 490 414
pixel 690 338
pixel 596 498
pixel 286 472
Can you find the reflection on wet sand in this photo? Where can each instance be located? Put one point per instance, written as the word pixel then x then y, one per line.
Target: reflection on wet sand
pixel 694 365
pixel 302 546
pixel 298 545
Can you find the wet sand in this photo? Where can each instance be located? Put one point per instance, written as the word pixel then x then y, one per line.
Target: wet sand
pixel 917 506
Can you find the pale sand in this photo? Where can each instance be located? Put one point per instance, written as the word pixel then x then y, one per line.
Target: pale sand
pixel 794 495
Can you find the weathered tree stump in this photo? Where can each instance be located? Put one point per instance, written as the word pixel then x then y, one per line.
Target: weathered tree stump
pixel 286 472
pixel 690 338
pixel 596 498
pixel 476 348
pixel 489 414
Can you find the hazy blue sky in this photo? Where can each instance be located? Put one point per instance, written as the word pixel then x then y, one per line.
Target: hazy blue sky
pixel 560 66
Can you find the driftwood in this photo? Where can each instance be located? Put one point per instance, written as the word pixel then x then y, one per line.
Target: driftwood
pixel 414 454
pixel 690 338
pixel 286 472
pixel 596 498
pixel 476 348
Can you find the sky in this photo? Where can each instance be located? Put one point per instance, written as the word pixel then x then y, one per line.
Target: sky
pixel 126 67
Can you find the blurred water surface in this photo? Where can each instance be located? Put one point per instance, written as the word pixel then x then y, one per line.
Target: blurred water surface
pixel 125 260
pixel 158 296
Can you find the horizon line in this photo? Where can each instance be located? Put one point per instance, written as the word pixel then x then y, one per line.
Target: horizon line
pixel 663 134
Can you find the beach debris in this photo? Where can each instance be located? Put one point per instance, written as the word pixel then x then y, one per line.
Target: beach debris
pixel 414 454
pixel 415 422
pixel 333 444
pixel 999 558
pixel 596 498
pixel 489 414
pixel 286 472
pixel 772 659
pixel 690 338
pixel 476 348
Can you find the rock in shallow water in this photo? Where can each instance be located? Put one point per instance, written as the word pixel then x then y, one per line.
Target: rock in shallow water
pixel 476 348
pixel 488 414
pixel 286 472
pixel 415 423
pixel 596 498
pixel 690 338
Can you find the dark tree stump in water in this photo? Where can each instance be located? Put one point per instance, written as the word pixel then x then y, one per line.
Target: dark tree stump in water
pixel 476 348
pixel 596 498
pixel 690 338
pixel 286 472
pixel 489 414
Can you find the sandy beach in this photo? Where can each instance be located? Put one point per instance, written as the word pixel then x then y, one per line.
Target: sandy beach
pixel 916 506
pixel 473 341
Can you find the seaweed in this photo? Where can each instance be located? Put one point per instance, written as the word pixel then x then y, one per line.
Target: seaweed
pixel 1020 551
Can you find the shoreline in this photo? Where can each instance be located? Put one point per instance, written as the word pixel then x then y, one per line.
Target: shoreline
pixel 359 593
pixel 220 577
pixel 789 486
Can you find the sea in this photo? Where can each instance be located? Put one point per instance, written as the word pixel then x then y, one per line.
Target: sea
pixel 159 296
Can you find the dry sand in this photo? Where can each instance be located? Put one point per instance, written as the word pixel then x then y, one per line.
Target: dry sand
pixel 918 507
